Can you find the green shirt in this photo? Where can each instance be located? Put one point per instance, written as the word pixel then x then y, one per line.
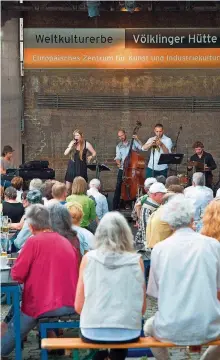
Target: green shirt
pixel 88 207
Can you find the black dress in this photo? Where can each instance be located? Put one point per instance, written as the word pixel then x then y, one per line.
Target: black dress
pixel 77 167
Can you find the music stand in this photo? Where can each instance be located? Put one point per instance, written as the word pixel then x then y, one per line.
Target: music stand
pixel 98 168
pixel 170 159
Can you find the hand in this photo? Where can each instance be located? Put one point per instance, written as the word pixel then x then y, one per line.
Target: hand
pixel 89 158
pixel 135 137
pixel 158 142
pixel 207 168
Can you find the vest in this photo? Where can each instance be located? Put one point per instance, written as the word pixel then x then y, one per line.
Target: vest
pixel 113 287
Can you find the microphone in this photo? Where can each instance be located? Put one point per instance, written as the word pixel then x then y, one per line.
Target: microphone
pixel 181 128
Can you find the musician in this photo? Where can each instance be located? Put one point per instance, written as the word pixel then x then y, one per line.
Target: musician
pixel 6 163
pixel 77 166
pixel 122 150
pixel 159 144
pixel 206 160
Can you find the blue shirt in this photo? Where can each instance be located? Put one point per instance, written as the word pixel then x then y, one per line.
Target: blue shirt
pixel 122 150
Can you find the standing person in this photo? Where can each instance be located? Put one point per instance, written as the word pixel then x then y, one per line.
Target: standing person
pixel 159 144
pixel 77 166
pixel 206 160
pixel 122 150
pixel 6 163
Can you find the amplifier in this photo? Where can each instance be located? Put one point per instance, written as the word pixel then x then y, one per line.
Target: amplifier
pixel 29 174
pixel 35 164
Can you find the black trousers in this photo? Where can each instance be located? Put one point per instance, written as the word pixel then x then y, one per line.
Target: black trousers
pixel 117 195
pixel 114 354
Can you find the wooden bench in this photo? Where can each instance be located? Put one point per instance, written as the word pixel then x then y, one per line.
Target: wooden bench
pixel 76 344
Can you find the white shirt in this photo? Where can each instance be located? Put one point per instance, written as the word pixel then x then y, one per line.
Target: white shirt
pixel 101 202
pixel 185 277
pixel 200 197
pixel 155 155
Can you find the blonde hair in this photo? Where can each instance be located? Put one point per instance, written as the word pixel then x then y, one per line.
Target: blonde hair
pixel 76 211
pixel 79 186
pixel 81 143
pixel 58 190
pixel 211 220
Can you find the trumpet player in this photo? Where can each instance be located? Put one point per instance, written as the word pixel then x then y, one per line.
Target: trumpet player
pixel 159 144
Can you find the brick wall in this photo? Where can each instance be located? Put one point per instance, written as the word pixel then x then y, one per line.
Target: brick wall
pixel 47 132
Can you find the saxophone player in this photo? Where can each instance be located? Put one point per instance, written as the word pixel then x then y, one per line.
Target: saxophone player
pixel 159 144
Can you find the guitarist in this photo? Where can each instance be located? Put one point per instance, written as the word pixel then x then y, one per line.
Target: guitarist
pixel 122 150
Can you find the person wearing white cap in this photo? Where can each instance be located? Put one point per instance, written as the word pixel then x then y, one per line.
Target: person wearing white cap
pixel 156 193
pixel 141 200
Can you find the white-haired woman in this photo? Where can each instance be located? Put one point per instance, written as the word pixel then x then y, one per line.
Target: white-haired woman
pixel 111 283
pixel 47 266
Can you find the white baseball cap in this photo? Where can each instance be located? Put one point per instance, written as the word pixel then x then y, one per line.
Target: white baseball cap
pixel 149 181
pixel 157 188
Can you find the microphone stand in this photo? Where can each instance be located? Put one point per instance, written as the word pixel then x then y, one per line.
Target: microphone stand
pixel 97 172
pixel 175 145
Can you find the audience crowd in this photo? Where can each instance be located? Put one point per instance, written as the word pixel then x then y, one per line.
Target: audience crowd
pixel 76 256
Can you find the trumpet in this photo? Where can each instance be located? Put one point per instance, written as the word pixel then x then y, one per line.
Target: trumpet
pixel 155 146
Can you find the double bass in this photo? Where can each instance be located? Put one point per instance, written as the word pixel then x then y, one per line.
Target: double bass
pixel 133 172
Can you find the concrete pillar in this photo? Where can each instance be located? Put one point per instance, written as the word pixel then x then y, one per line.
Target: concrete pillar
pixel 11 97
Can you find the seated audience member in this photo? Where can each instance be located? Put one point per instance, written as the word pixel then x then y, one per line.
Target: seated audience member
pixel 10 207
pixel 161 179
pixel 218 193
pixel 79 195
pixel 100 199
pixel 47 267
pixel 200 195
pixel 61 223
pixel 172 180
pixel 155 196
pixel 17 182
pixel 59 194
pixel 177 189
pixel 106 271
pixel 85 236
pixel 46 190
pixel 32 197
pixel 35 184
pixel 158 230
pixel 185 264
pixel 141 200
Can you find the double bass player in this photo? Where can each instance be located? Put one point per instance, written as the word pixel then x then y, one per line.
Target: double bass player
pixel 122 150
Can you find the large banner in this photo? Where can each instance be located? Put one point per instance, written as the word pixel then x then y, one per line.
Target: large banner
pixel 121 48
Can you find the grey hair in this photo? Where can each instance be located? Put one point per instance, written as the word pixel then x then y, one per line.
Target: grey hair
pixel 38 216
pixel 198 179
pixel 178 212
pixel 114 234
pixel 35 184
pixel 95 183
pixel 61 221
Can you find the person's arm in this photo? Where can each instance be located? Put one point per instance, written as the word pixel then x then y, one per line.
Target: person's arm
pixel 24 261
pixel 153 285
pixel 91 150
pixel 211 165
pixel 69 148
pixel 144 307
pixel 80 295
pixel 137 142
pixel 17 226
pixel 22 236
pixel 118 156
pixel 104 206
pixel 166 148
pixel 150 142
